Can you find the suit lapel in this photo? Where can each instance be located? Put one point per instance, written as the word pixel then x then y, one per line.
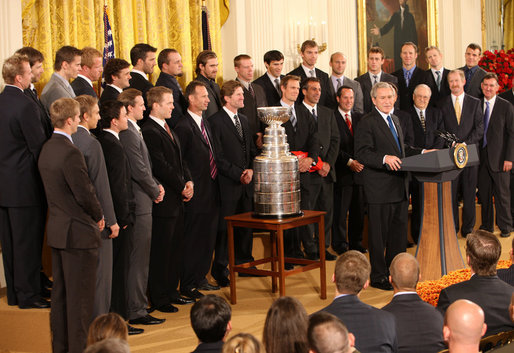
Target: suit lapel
pixel 387 131
pixel 227 120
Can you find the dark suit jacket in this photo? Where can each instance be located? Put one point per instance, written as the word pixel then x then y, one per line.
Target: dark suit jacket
pixel 500 134
pixel 374 329
pixel 109 93
pixel 231 158
pixel 490 293
pixel 419 326
pixel 213 347
pixel 272 96
pixel 374 140
pixel 507 275
pixel 357 94
pixel 140 83
pixel 365 82
pixel 344 174
pixel 474 88
pixel 471 127
pixel 118 170
pixel 43 113
pixel 508 95
pixel 437 95
pixel 251 103
pixel 404 91
pixel 21 139
pixel 305 137
pixel 406 124
pixel 324 81
pixel 167 167
pixel 214 96
pixel 81 86
pixel 179 101
pixel 73 207
pixel 195 154
pixel 433 122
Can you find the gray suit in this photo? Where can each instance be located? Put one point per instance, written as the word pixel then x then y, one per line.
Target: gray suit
pixel 146 189
pixel 357 94
pixel 92 151
pixel 56 88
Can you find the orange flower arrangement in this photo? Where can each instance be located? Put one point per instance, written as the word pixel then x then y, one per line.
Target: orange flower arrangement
pixel 429 290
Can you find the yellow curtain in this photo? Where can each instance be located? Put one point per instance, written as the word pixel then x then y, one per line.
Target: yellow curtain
pixel 508 31
pixel 50 24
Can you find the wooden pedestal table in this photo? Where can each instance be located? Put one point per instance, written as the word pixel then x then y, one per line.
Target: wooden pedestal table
pixel 276 226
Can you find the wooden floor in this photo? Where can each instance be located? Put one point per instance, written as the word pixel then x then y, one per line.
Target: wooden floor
pixel 28 330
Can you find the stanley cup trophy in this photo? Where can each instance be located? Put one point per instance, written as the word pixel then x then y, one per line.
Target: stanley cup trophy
pixel 276 176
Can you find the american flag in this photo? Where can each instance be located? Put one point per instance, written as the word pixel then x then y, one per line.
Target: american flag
pixel 109 43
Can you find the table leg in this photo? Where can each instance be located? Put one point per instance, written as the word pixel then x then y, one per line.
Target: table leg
pixel 273 247
pixel 322 268
pixel 231 262
pixel 281 276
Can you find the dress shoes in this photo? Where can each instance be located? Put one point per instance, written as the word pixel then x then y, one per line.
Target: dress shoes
pixel 167 308
pixel 288 266
pixel 222 281
pixel 45 281
pixel 36 304
pixel 312 256
pixel 192 293
pixel 241 274
pixel 382 284
pixel 505 234
pixel 359 248
pixel 182 301
pixel 46 293
pixel 134 331
pixel 329 256
pixel 208 287
pixel 146 320
pixel 341 249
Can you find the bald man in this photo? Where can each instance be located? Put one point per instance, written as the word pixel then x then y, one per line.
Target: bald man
pixel 415 333
pixel 326 334
pixel 464 326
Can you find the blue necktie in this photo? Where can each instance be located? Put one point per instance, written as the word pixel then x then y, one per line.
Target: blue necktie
pixel 407 78
pixel 393 131
pixel 486 123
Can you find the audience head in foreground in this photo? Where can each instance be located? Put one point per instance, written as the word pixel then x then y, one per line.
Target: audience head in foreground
pixel 242 343
pixel 328 334
pixel 210 319
pixel 109 345
pixel 483 250
pixel 105 326
pixel 405 273
pixel 351 273
pixel 464 326
pixel 285 329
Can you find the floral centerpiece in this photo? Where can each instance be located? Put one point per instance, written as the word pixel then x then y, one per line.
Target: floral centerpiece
pixel 500 62
pixel 429 290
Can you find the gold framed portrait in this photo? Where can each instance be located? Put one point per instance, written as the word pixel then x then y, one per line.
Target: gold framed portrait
pixel 386 24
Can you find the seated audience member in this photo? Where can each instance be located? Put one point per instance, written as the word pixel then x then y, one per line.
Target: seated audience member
pixel 463 326
pixel 210 319
pixel 507 274
pixel 374 329
pixel 285 328
pixel 327 334
pixel 484 288
pixel 106 326
pixel 242 343
pixel 110 345
pixel 416 333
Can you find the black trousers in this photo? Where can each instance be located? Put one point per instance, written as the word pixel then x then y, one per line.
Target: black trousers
pixel 21 236
pixel 466 182
pixel 73 296
pixel 494 184
pixel 349 203
pixel 120 259
pixel 387 231
pixel 166 258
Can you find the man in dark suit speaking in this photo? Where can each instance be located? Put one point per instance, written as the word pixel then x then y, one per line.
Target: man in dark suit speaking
pixel 74 224
pixel 379 146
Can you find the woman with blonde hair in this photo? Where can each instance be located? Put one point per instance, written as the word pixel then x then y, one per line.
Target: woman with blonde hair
pixel 242 343
pixel 109 325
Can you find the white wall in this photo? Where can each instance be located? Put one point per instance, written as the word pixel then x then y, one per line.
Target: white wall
pixel 11 38
pixel 256 26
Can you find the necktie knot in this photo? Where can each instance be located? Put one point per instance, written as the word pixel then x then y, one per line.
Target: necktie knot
pixel 375 79
pixel 311 72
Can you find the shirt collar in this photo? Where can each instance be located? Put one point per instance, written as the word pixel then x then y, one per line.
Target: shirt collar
pixel 141 73
pixel 13 86
pixel 85 128
pixel 64 134
pixel 230 114
pixel 343 113
pixel 411 70
pixel 309 108
pixel 196 118
pixel 134 124
pixel 158 121
pixel 244 83
pixel 113 132
pixel 308 71
pixel 419 110
pixel 403 293
pixel 272 78
pixel 115 87
pixel 62 79
pixel 86 79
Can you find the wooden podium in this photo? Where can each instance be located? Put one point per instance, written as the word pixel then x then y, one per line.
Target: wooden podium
pixel 438 249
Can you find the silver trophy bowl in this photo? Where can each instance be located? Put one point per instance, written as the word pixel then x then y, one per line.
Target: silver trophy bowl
pixel 276 176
